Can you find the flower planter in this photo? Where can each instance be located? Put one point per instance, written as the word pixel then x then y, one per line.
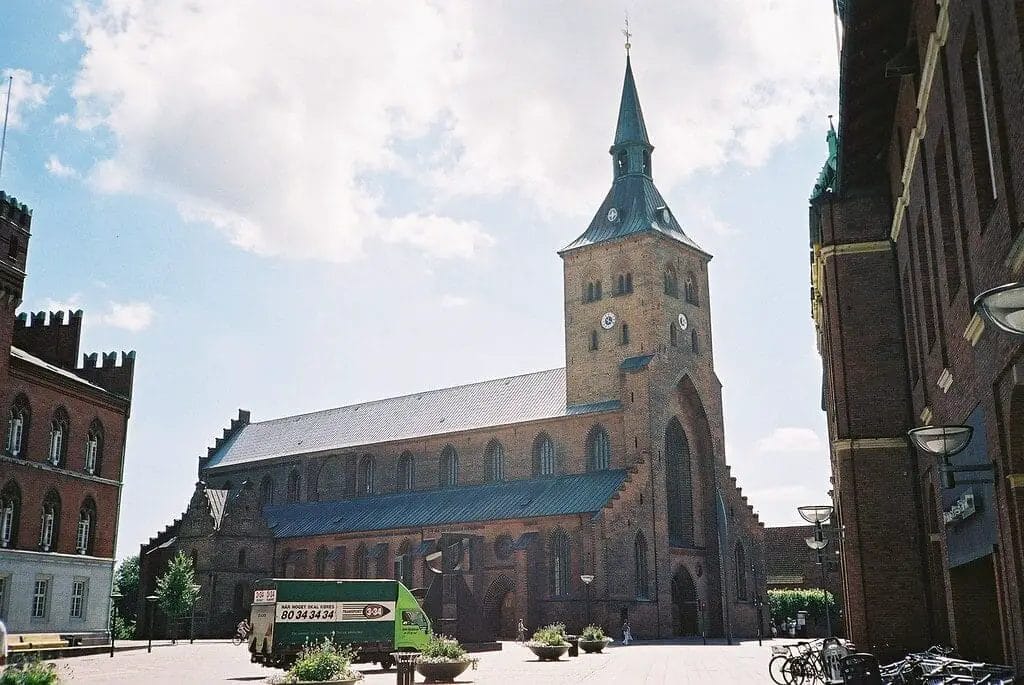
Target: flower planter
pixel 441 671
pixel 547 652
pixel 593 646
pixel 350 681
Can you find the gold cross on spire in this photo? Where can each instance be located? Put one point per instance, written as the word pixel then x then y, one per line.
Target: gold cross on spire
pixel 627 34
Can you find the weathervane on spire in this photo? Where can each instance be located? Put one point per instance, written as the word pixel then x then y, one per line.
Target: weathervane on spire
pixel 627 34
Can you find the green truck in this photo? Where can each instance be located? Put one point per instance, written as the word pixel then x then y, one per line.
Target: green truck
pixel 376 617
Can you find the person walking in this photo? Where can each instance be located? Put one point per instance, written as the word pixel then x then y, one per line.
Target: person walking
pixel 627 633
pixel 521 631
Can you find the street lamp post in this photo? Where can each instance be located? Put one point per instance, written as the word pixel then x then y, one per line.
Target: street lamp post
pixel 150 606
pixel 1003 306
pixel 757 603
pixel 114 596
pixel 944 442
pixel 587 580
pixel 192 619
pixel 819 514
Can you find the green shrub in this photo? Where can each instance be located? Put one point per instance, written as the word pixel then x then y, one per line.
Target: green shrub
pixel 124 629
pixel 30 673
pixel 593 633
pixel 442 649
pixel 550 636
pixel 784 604
pixel 323 661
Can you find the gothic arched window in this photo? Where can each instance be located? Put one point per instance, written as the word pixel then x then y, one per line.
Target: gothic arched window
pixel 640 566
pixel 94 448
pixel 593 340
pixel 543 455
pixel 49 528
pixel 559 560
pixel 238 599
pixel 404 477
pixel 17 426
pixel 741 573
pixel 241 558
pixel 449 464
pixel 266 491
pixel 671 281
pixel 647 162
pixel 86 527
pixel 694 341
pixel 360 564
pixel 320 562
pixel 625 334
pixel 367 472
pixel 690 288
pixel 673 336
pixel 599 449
pixel 678 486
pixel 58 437
pixel 494 456
pixel 10 514
pixel 621 163
pixel 294 485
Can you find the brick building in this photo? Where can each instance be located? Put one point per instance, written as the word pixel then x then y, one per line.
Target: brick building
pixel 612 466
pixel 791 565
pixel 61 461
pixel 915 214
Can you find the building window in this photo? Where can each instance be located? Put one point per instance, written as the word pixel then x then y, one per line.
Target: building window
pixel 671 282
pixel 694 341
pixel 593 340
pixel 449 467
pixel 320 562
pixel 13 248
pixel 10 510
pixel 625 283
pixel 40 598
pixel 86 527
pixel 49 530
pixel 640 566
pixel 979 128
pixel 690 288
pixel 405 472
pixel 543 456
pixel 625 334
pixel 241 558
pixel 741 573
pixel 647 162
pixel 367 470
pixel 94 448
pixel 592 292
pixel 673 336
pixel 678 486
pixel 494 456
pixel 17 426
pixel 266 491
pixel 559 560
pixel 58 437
pixel 78 598
pixel 599 449
pixel 360 564
pixel 294 485
pixel 504 547
pixel 621 163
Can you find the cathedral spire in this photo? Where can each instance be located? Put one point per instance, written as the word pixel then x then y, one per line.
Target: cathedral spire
pixel 631 127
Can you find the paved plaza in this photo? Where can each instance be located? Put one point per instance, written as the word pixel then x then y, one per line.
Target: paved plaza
pixel 643 663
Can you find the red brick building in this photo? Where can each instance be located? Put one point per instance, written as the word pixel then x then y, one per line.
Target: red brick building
pixel 792 565
pixel 61 461
pixel 612 467
pixel 916 213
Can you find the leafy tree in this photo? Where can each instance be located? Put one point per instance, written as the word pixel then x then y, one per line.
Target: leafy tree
pixel 785 603
pixel 126 582
pixel 176 589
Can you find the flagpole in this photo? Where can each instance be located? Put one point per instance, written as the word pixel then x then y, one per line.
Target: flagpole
pixel 7 111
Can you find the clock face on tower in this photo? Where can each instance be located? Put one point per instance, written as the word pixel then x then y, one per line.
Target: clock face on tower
pixel 683 323
pixel 607 321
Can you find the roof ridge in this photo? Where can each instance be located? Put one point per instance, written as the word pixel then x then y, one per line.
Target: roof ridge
pixel 409 394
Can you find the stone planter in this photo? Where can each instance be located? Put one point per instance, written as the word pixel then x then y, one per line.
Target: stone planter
pixel 351 681
pixel 441 672
pixel 593 646
pixel 548 653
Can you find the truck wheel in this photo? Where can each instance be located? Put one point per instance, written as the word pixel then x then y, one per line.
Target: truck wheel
pixel 387 663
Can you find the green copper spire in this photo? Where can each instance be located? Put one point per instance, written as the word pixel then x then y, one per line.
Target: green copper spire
pixel 631 128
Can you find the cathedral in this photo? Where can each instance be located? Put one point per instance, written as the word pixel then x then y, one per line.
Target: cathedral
pixel 597 492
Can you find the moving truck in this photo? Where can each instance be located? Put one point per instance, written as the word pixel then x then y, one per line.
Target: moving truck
pixel 376 617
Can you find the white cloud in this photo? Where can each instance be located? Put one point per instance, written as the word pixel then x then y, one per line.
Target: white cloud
pixel 62 119
pixel 72 303
pixel 454 301
pixel 26 94
pixel 131 316
pixel 302 129
pixel 791 439
pixel 57 168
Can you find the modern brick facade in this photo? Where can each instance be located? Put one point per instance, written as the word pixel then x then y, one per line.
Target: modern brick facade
pixel 672 546
pixel 915 215
pixel 62 458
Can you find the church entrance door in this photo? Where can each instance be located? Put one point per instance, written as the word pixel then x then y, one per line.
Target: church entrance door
pixel 500 608
pixel 684 604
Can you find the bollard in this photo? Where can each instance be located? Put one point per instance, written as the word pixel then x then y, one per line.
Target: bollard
pixel 405 670
pixel 574 644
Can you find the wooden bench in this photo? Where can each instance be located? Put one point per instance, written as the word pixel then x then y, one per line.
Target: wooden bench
pixel 19 642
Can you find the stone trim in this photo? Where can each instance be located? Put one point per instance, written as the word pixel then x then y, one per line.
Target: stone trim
pixel 926 416
pixel 928 69
pixel 855 248
pixel 976 325
pixel 868 444
pixel 1016 481
pixel 945 380
pixel 1015 256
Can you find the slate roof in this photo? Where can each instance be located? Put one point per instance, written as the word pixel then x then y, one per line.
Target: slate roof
pixel 579 493
pixel 21 354
pixel 498 402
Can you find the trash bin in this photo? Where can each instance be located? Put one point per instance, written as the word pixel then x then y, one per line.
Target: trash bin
pixel 574 644
pixel 405 663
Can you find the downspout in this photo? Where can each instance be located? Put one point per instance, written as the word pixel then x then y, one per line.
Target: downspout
pixel 723 540
pixel 117 522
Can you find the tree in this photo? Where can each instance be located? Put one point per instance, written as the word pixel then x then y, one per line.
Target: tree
pixel 176 590
pixel 126 583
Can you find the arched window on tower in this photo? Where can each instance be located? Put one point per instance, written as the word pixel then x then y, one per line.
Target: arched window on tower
pixel 671 281
pixel 673 336
pixel 294 485
pixel 625 334
pixel 94 448
pixel 694 341
pixel 367 473
pixel 49 528
pixel 559 559
pixel 86 527
pixel 621 163
pixel 641 571
pixel 17 426
pixel 647 162
pixel 599 449
pixel 690 288
pixel 58 437
pixel 266 491
pixel 543 455
pixel 741 573
pixel 494 457
pixel 593 341
pixel 10 514
pixel 404 475
pixel 449 464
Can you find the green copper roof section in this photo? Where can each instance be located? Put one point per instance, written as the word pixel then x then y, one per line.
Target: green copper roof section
pixel 631 127
pixel 828 178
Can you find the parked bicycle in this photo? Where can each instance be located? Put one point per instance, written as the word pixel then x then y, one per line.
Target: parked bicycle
pixel 937 666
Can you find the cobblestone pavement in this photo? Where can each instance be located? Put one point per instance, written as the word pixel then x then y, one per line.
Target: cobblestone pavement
pixel 642 663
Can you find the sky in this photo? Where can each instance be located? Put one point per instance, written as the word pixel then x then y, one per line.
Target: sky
pixel 285 210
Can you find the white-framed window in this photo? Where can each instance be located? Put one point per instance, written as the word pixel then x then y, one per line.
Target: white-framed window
pixel 40 597
pixel 46 533
pixel 92 446
pixel 84 526
pixel 15 432
pixel 10 501
pixel 6 524
pixel 56 442
pixel 78 593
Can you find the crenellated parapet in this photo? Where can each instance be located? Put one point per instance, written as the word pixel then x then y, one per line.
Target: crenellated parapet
pixel 17 213
pixel 55 340
pixel 108 372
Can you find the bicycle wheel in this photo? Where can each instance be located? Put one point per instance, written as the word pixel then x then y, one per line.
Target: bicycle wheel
pixel 794 670
pixel 775 669
pixel 237 640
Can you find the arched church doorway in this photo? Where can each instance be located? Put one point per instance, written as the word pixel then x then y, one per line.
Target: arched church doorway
pixel 500 609
pixel 684 604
